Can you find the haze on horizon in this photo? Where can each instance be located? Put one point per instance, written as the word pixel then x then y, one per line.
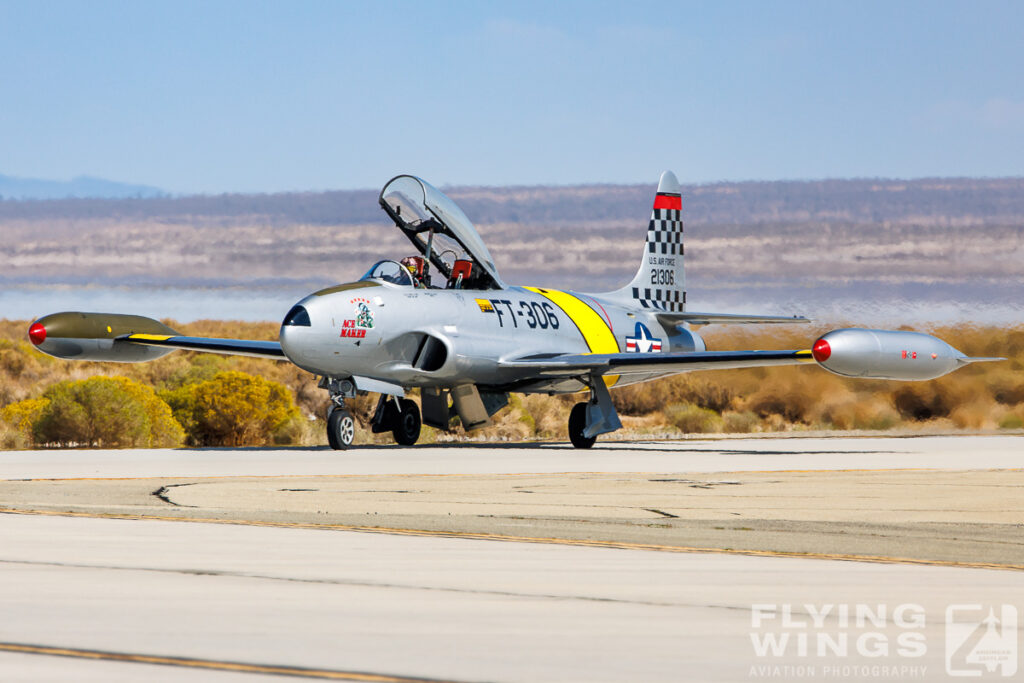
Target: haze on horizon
pixel 195 97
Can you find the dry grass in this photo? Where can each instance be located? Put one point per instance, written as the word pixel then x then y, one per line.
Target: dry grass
pixel 986 396
pixel 692 419
pixel 982 396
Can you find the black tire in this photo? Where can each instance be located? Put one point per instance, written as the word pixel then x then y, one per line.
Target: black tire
pixel 577 423
pixel 332 441
pixel 406 428
pixel 341 429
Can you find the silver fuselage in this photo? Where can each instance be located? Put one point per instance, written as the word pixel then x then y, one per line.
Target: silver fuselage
pixel 441 338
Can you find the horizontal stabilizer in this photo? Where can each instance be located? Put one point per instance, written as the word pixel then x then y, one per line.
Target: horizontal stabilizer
pixel 964 360
pixel 695 318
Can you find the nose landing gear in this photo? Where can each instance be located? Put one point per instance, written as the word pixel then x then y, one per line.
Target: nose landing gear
pixel 400 416
pixel 341 428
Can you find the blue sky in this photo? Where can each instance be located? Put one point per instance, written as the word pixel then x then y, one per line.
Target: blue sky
pixel 246 96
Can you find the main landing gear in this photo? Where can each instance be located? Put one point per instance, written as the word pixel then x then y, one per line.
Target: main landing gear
pixel 593 417
pixel 577 423
pixel 400 416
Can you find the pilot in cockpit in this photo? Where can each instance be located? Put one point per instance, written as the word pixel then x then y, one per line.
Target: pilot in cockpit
pixel 415 265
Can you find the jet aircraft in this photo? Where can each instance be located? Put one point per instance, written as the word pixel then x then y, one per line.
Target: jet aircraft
pixel 446 323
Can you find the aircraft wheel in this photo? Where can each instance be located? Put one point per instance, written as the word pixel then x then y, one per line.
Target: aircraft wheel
pixel 407 427
pixel 577 423
pixel 341 429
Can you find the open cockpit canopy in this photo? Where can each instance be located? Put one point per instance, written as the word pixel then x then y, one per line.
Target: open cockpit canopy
pixel 441 233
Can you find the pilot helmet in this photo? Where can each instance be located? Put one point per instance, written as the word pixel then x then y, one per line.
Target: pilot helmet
pixel 414 264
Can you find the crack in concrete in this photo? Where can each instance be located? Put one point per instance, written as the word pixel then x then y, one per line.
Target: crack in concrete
pixel 217 573
pixel 162 492
pixel 662 513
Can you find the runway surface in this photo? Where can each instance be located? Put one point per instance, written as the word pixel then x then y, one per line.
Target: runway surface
pixel 448 609
pixel 722 455
pixel 512 563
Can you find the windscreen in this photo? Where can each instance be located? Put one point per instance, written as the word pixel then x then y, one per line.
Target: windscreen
pixel 389 271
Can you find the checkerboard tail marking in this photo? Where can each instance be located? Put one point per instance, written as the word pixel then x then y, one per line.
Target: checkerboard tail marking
pixel 659 284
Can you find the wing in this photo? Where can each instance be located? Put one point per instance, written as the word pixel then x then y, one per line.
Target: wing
pixel 120 338
pixel 234 347
pixel 643 363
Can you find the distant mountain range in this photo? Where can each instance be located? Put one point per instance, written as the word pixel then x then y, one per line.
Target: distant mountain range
pixel 939 247
pixel 927 201
pixel 83 187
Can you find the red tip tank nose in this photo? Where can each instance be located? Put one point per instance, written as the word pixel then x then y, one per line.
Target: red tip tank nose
pixel 37 333
pixel 821 350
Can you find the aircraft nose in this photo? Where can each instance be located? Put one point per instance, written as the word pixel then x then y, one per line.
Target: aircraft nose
pixel 297 317
pixel 300 340
pixel 321 335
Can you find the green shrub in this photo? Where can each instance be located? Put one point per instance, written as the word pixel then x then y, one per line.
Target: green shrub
pixel 740 423
pixel 793 401
pixel 689 418
pixel 876 417
pixel 203 367
pixel 16 421
pixel 921 402
pixel 640 399
pixel 525 416
pixel 12 439
pixel 22 415
pixel 234 409
pixel 105 412
pixel 1011 421
pixel 12 362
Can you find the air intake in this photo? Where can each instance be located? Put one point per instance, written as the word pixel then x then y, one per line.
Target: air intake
pixel 431 354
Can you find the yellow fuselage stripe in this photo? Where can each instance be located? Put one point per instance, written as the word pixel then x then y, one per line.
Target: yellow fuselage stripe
pixel 595 330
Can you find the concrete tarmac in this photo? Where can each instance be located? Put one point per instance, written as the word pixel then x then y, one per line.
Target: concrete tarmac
pixel 349 605
pixel 704 455
pixel 962 517
pixel 513 563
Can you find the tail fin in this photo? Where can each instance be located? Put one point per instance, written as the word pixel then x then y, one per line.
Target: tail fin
pixel 660 282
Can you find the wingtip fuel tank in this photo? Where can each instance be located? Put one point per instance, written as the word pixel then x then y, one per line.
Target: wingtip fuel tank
pixel 94 336
pixel 887 354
